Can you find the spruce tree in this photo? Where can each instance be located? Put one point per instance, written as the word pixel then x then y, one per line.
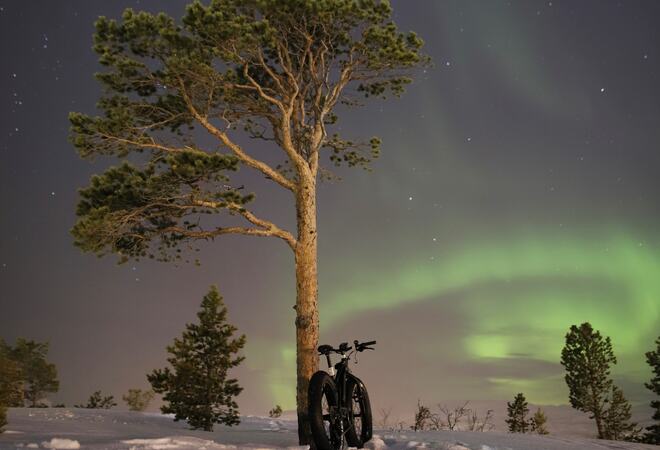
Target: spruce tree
pixel 517 415
pixel 652 435
pixel 587 357
pixel 196 387
pixel 538 422
pixel 234 83
pixel 616 421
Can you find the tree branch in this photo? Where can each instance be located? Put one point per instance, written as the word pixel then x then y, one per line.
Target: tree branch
pixel 152 145
pixel 267 226
pixel 235 148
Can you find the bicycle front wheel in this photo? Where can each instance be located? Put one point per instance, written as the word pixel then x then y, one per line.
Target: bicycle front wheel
pixel 323 414
pixel 360 427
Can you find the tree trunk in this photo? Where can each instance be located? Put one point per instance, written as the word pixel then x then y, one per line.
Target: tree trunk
pixel 597 411
pixel 599 425
pixel 307 317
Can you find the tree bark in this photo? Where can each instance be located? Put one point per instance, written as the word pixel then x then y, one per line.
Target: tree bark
pixel 307 317
pixel 599 424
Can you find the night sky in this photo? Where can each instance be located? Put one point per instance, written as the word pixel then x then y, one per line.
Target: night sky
pixel 518 192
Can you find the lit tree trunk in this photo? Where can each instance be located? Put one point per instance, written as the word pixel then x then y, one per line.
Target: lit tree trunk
pixel 307 317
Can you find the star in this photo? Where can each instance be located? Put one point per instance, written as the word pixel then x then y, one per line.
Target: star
pixel 602 89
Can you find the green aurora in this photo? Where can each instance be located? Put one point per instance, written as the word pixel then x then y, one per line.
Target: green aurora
pixel 522 294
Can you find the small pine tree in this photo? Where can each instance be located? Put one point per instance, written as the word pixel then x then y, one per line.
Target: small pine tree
pixel 652 435
pixel 538 422
pixel 617 425
pixel 137 399
pixel 517 415
pixel 275 412
pixel 197 388
pixel 97 401
pixel 587 357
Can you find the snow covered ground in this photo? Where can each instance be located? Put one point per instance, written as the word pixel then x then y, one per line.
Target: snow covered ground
pixel 71 428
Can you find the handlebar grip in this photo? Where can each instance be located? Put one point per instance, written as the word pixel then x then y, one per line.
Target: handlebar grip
pixel 368 343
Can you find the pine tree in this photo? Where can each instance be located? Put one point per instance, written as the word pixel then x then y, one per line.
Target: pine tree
pixel 188 96
pixel 98 401
pixel 652 435
pixel 517 414
pixel 538 422
pixel 196 388
pixel 587 357
pixel 616 420
pixel 137 399
pixel 38 375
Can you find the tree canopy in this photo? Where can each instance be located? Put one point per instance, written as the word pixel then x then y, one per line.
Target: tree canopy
pixel 273 70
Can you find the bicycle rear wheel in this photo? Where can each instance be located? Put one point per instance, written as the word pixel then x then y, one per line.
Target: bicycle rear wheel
pixel 323 401
pixel 360 426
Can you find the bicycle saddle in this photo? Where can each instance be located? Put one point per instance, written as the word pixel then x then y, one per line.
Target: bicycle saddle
pixel 325 349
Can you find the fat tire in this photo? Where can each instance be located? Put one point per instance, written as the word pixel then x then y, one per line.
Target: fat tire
pixel 322 385
pixel 355 387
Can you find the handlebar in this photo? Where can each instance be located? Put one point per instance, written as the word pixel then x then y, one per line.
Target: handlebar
pixel 344 347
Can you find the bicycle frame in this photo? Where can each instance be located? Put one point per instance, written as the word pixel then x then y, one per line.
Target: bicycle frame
pixel 341 375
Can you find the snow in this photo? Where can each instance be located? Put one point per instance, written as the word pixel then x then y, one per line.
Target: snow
pixel 71 428
pixel 61 443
